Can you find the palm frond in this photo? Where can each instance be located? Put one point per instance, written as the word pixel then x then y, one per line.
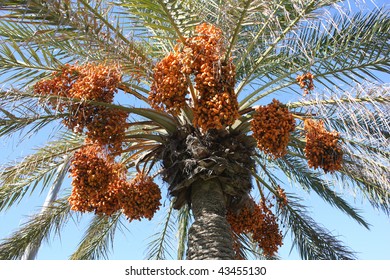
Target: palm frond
pixel 26 63
pixel 343 51
pixel 353 47
pixel 184 222
pixel 36 11
pixel 135 53
pixel 363 122
pixel 35 230
pixel 161 118
pixel 297 171
pixel 24 115
pixel 22 178
pixel 250 249
pixel 56 45
pixel 160 247
pixel 167 20
pixel 98 239
pixel 242 18
pixel 266 19
pixel 359 115
pixel 134 90
pixel 358 95
pixel 303 9
pixel 82 28
pixel 312 241
pixel 371 178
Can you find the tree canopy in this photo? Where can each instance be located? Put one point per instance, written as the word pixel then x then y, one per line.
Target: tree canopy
pixel 227 93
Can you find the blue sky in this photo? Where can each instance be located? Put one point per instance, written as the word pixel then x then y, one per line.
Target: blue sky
pixel 369 244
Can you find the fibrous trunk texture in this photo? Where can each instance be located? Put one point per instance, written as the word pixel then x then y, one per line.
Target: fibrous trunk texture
pixel 210 235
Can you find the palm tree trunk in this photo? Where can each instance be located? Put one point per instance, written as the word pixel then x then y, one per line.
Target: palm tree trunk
pixel 210 235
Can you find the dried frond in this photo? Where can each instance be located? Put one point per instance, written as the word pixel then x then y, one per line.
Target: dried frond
pixel 187 157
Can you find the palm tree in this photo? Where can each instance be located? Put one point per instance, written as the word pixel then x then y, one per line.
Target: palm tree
pixel 199 75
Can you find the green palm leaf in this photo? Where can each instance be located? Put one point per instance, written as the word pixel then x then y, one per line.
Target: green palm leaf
pixel 98 238
pixel 184 222
pixel 313 241
pixel 298 171
pixel 332 53
pixel 161 244
pixel 270 42
pixel 166 20
pixel 35 230
pixel 19 113
pixel 24 177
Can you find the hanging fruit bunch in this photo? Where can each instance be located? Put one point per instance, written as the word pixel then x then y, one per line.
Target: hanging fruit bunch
pixel 139 198
pixel 93 171
pixel 214 102
pixel 89 82
pixel 100 186
pixel 323 147
pixel 272 125
pixel 306 82
pixel 216 105
pixel 169 88
pixel 269 237
pixel 259 221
